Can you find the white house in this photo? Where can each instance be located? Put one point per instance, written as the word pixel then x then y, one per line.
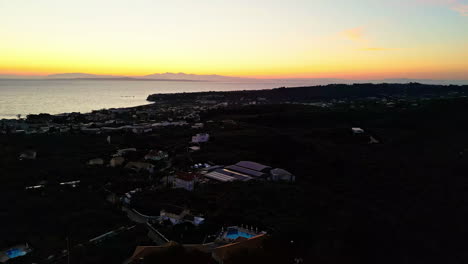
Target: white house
pixel 194 148
pixel 357 130
pixel 28 155
pixel 178 216
pixel 185 181
pixel 96 162
pixel 281 175
pixel 198 125
pixel 117 161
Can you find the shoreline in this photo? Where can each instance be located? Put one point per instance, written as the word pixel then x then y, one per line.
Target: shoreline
pixel 317 93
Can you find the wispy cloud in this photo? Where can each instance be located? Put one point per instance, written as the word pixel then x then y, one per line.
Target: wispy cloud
pixel 354 34
pixel 375 49
pixel 456 5
pixel 461 9
pixel 358 36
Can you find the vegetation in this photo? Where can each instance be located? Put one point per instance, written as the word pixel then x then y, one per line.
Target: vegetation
pixel 392 202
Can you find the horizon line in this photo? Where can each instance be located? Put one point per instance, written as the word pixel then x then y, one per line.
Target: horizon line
pixel 250 77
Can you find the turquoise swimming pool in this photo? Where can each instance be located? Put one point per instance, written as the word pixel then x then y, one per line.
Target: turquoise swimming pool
pixel 234 233
pixel 15 252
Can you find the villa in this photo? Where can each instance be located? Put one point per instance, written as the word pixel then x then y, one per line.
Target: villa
pixel 177 215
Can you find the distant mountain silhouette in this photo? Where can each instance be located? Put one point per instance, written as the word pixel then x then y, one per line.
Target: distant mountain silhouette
pixel 80 76
pixel 157 76
pixel 168 76
pixel 194 77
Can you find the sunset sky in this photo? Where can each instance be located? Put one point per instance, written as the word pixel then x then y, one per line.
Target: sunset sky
pixel 357 39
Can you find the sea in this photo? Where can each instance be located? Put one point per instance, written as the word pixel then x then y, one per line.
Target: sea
pixel 23 97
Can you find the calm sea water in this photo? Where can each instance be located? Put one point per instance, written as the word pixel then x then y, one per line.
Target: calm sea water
pixel 65 96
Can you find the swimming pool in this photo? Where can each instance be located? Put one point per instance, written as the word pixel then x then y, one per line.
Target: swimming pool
pixel 15 252
pixel 234 233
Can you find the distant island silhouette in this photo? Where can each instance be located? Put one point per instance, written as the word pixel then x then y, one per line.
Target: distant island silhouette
pixel 168 76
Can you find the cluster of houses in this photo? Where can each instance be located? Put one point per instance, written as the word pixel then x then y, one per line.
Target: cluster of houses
pixel 141 128
pixel 118 160
pixel 107 127
pixel 137 120
pixel 241 171
pixel 146 162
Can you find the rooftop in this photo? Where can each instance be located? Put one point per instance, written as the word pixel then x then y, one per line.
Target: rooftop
pixel 253 166
pixel 186 176
pixel 224 175
pixel 244 170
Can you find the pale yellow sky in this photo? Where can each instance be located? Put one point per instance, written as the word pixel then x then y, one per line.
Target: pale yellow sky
pixel 265 38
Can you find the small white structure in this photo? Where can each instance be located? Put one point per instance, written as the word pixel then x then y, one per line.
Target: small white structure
pixel 198 125
pixel 139 166
pixel 122 152
pixel 28 155
pixel 357 130
pixel 373 140
pixel 194 148
pixel 71 183
pixel 96 162
pixel 156 155
pixel 178 216
pixel 282 175
pixel 200 138
pixel 117 161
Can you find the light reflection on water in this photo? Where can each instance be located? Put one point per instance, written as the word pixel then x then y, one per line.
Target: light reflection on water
pixel 64 96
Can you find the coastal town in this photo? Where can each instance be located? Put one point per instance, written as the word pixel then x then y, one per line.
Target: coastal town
pixel 216 177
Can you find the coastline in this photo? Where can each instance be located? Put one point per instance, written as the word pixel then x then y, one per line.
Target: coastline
pixel 303 94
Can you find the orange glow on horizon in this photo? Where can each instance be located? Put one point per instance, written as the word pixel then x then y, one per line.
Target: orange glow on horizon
pixel 259 39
